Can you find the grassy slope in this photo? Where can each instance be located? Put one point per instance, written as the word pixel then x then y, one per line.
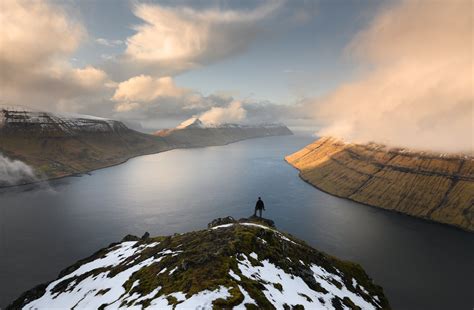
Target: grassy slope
pixel 207 257
pixel 59 155
pixel 427 186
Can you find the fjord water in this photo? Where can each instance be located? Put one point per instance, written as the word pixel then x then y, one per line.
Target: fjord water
pixel 44 229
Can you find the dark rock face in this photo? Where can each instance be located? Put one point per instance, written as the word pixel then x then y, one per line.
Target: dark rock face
pixel 221 221
pixel 241 263
pixel 145 236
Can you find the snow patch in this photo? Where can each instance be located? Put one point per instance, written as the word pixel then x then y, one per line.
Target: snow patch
pixel 102 288
pixel 247 299
pixel 294 290
pixel 223 226
pixel 234 275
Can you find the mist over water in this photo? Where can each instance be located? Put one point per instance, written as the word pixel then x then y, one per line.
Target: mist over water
pixel 45 230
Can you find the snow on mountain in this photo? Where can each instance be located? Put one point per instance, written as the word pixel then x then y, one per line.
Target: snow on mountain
pixel 243 264
pixel 19 118
pixel 195 122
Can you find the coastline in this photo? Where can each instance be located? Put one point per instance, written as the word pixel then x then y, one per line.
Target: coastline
pixel 79 174
pixel 377 207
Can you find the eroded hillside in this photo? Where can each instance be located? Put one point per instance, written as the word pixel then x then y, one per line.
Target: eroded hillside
pixel 437 187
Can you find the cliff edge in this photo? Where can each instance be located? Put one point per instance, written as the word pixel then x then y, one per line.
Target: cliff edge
pixel 436 187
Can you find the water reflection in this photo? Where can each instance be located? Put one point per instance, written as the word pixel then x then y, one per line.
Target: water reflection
pixel 45 229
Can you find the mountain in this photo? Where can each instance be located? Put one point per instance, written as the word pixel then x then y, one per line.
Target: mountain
pixel 194 133
pixel 436 187
pixel 57 145
pixel 246 264
pixel 60 145
pixel 191 123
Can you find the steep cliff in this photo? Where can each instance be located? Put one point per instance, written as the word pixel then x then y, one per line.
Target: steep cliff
pixel 242 264
pixel 437 187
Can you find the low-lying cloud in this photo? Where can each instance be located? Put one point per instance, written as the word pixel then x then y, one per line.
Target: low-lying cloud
pixel 14 172
pixel 233 113
pixel 144 88
pixel 418 90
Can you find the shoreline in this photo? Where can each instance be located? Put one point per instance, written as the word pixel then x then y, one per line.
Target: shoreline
pixel 88 172
pixel 377 207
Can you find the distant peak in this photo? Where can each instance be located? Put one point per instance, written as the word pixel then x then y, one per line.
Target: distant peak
pixel 192 122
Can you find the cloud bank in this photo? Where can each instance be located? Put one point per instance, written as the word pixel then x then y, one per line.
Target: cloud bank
pixel 233 113
pixel 36 41
pixel 173 39
pixel 418 89
pixel 14 171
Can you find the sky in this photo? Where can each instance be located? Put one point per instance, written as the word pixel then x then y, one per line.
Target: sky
pixel 397 71
pixel 277 65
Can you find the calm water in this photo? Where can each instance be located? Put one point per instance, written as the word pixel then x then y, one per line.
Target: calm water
pixel 42 230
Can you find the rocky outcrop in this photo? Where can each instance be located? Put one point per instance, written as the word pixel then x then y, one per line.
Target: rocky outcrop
pixel 233 264
pixel 436 187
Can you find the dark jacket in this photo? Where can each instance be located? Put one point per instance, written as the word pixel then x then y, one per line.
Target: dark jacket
pixel 259 205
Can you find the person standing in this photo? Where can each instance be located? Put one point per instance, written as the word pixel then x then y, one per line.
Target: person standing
pixel 259 206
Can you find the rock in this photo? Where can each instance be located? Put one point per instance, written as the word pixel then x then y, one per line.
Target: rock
pixel 221 221
pixel 130 238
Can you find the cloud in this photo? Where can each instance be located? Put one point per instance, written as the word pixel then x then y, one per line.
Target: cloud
pixel 172 39
pixel 417 90
pixel 36 41
pixel 233 113
pixel 144 88
pixel 126 106
pixel 109 43
pixel 32 32
pixel 14 171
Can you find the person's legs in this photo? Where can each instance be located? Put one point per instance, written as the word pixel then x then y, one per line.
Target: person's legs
pixel 260 210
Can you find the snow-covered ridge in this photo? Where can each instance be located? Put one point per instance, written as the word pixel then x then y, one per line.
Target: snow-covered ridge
pixel 233 265
pixel 19 118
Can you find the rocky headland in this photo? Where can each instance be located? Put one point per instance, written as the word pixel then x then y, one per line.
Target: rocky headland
pixel 432 186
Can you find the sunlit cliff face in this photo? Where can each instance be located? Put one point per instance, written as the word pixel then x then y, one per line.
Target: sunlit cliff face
pixel 417 88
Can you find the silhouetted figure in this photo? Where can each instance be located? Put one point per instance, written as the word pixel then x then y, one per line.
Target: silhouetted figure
pixel 259 206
